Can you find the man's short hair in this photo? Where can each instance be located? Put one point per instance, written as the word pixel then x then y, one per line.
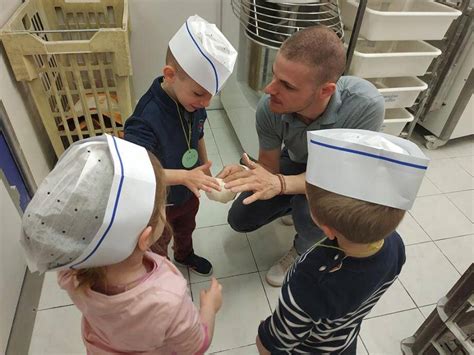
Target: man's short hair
pixel 318 47
pixel 358 221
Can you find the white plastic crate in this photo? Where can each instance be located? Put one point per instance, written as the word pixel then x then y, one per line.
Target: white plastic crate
pixel 395 120
pixel 75 57
pixel 399 92
pixel 400 19
pixel 391 58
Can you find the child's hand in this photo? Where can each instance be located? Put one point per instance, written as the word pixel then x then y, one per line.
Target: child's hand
pixel 212 297
pixel 197 179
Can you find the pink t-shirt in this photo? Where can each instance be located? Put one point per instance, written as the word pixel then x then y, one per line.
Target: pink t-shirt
pixel 156 316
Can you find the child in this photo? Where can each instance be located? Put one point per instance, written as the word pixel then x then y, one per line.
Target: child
pixel 359 185
pixel 94 218
pixel 169 121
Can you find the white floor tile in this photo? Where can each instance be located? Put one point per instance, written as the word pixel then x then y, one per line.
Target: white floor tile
pixel 448 176
pixel 231 157
pixel 411 232
pixel 51 294
pixel 218 119
pixel 459 147
pixel 434 154
pixel 440 218
pixel 382 335
pixel 244 350
pixel 215 104
pixel 211 213
pixel 216 166
pixel 426 310
pixel 395 299
pixel 464 200
pixel 227 250
pixel 226 139
pixel 211 146
pixel 271 242
pixel 57 331
pixel 467 163
pixel 460 251
pixel 427 188
pixel 244 307
pixel 427 274
pixel 207 126
pixel 361 350
pixel 273 293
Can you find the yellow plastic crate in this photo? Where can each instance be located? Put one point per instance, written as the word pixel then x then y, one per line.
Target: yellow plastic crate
pixel 75 57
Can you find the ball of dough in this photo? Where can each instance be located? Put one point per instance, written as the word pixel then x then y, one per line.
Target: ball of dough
pixel 222 196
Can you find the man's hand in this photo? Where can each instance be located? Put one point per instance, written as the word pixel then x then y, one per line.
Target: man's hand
pixel 230 170
pixel 264 184
pixel 197 179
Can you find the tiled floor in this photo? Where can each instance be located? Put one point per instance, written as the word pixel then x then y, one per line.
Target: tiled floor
pixel 438 233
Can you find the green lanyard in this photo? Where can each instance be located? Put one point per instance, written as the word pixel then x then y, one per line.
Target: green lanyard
pixel 190 156
pixel 188 136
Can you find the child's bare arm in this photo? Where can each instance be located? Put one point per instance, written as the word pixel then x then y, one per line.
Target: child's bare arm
pixel 211 302
pixel 261 349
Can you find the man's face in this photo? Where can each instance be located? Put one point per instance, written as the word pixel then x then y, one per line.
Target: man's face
pixel 190 94
pixel 293 86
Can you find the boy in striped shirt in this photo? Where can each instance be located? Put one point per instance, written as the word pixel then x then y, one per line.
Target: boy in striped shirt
pixel 359 185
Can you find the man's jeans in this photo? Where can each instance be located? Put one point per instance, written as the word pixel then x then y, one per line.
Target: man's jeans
pixel 247 218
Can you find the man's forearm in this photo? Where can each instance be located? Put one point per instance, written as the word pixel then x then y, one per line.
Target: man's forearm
pixel 295 184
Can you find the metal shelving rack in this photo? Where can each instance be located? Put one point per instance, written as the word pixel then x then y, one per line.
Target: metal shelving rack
pixel 449 329
pixel 458 34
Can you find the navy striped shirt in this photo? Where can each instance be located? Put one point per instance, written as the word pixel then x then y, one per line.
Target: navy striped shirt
pixel 326 295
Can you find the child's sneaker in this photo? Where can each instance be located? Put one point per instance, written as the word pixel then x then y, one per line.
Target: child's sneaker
pixel 197 264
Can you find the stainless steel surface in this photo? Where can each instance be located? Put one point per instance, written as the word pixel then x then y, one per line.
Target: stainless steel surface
pixel 260 63
pixel 269 23
pixel 459 107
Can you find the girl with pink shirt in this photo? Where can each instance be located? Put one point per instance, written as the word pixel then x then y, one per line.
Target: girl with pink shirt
pixel 93 219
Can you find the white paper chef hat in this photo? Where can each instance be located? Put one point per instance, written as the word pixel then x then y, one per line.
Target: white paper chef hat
pixel 369 166
pixel 204 53
pixel 90 210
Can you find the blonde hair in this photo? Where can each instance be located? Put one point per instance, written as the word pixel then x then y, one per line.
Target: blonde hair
pixel 358 221
pixel 320 48
pixel 93 276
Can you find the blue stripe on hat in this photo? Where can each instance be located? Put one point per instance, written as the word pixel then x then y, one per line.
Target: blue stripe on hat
pixel 117 198
pixel 370 155
pixel 210 62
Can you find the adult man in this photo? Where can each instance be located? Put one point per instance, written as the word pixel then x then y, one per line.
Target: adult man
pixel 306 93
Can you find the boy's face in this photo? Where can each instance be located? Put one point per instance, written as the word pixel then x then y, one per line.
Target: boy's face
pixel 190 94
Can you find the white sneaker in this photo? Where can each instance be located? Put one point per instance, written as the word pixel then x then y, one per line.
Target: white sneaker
pixel 287 220
pixel 276 274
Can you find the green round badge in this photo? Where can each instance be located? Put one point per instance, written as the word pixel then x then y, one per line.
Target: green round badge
pixel 190 158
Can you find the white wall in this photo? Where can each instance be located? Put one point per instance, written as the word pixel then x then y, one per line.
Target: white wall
pixel 24 119
pixel 153 23
pixel 12 259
